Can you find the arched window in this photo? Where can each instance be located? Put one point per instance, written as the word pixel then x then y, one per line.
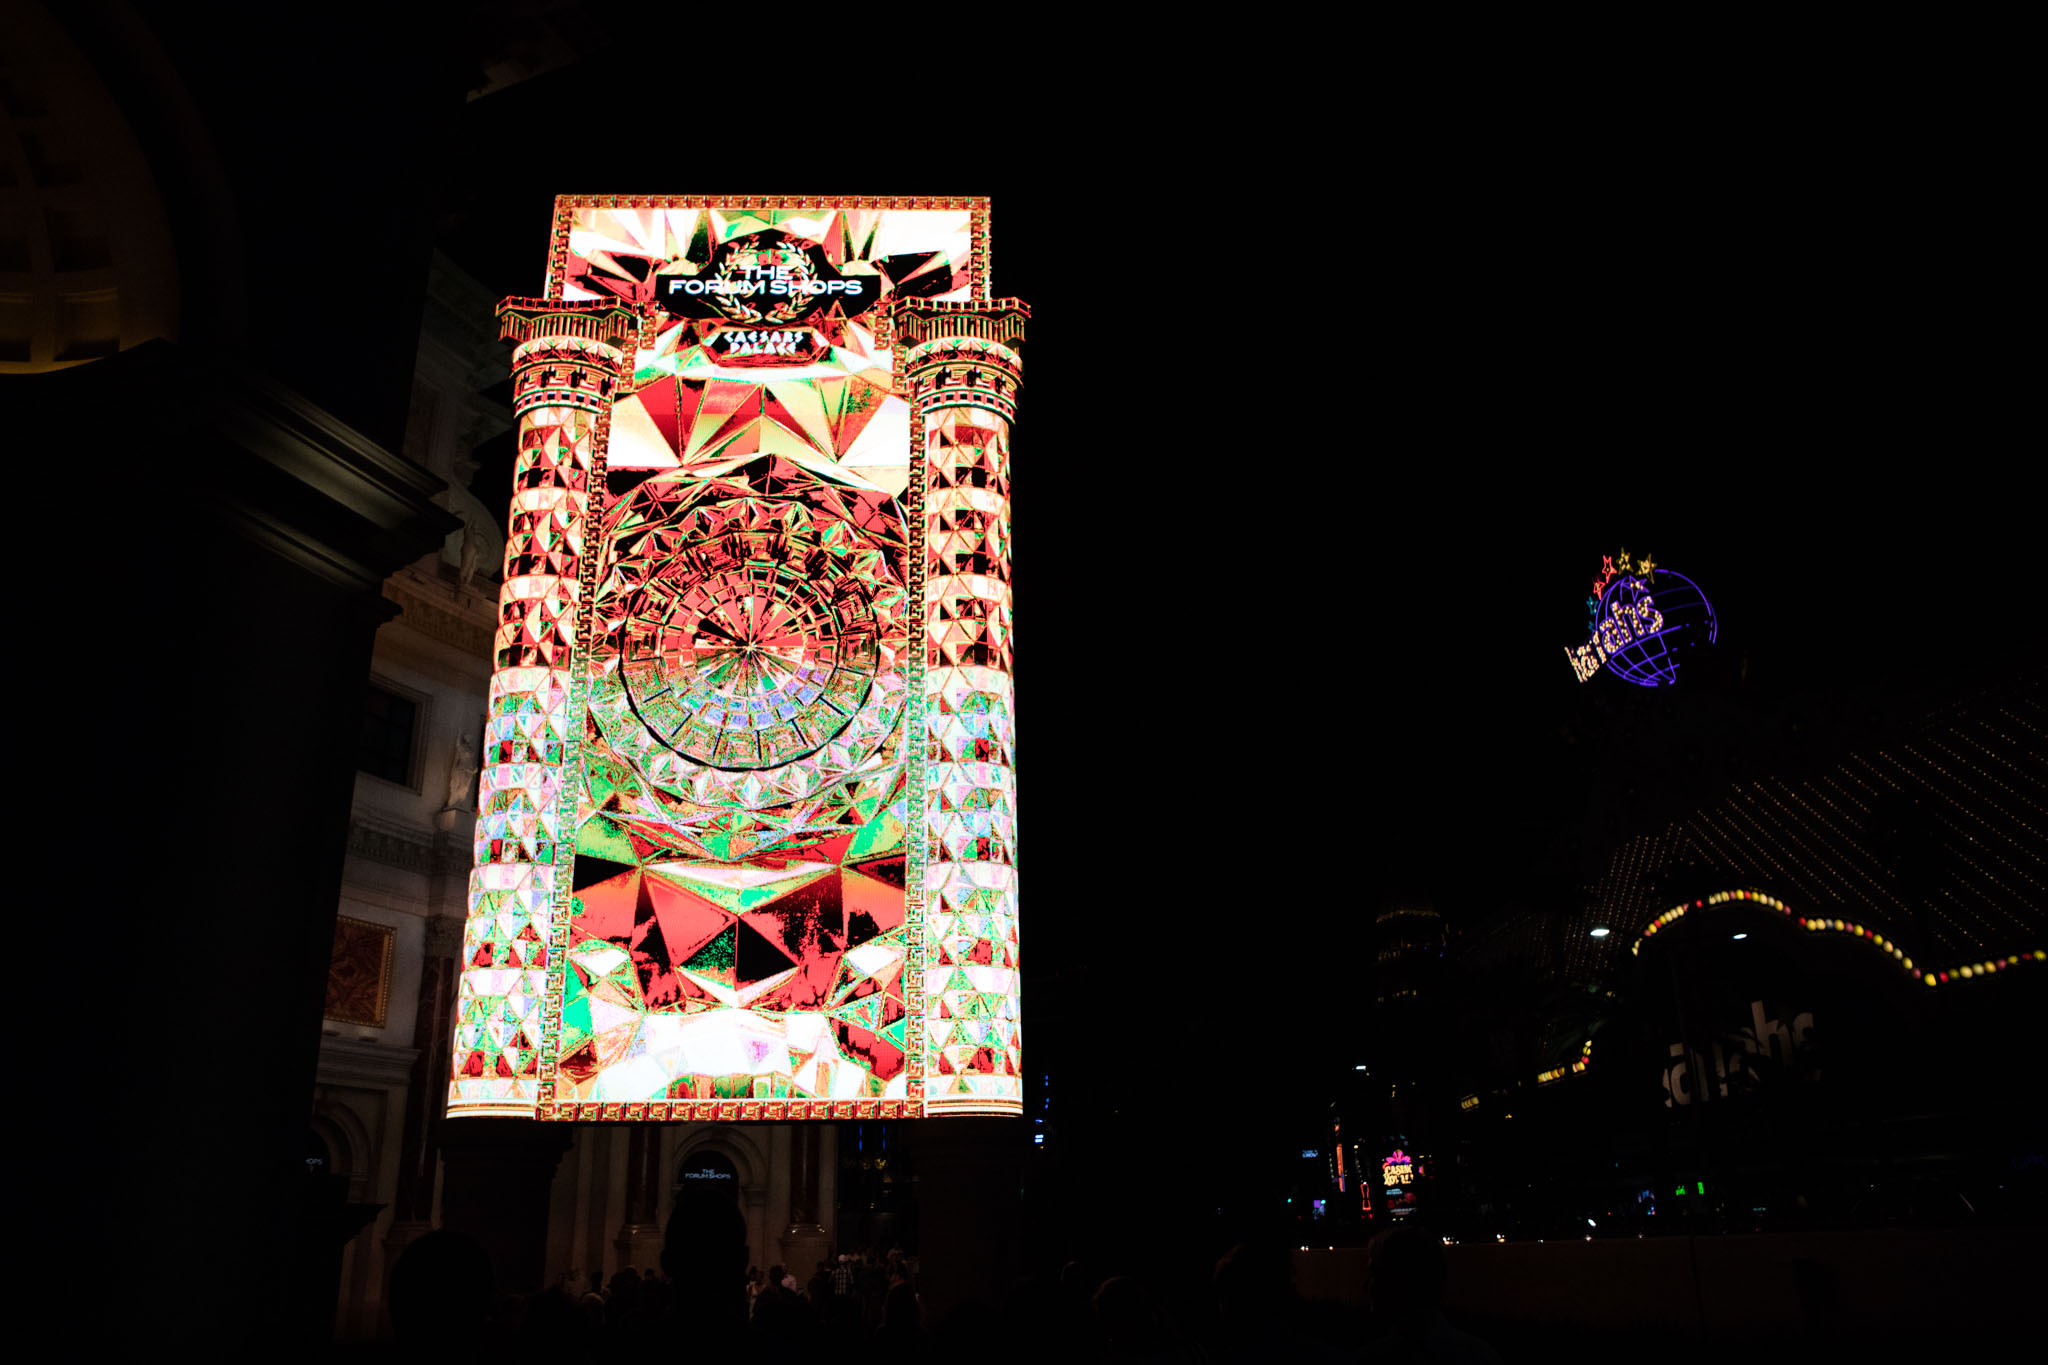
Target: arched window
pixel 709 1170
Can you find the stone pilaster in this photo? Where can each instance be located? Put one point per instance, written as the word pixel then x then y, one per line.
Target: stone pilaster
pixel 640 1236
pixel 419 1156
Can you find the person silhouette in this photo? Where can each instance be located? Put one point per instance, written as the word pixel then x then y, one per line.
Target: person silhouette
pixel 901 1335
pixel 704 1256
pixel 1404 1286
pixel 1258 1314
pixel 442 1296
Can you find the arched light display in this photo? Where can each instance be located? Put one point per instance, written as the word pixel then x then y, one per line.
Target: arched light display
pixel 1826 925
pixel 745 842
pixel 1572 1068
pixel 1643 621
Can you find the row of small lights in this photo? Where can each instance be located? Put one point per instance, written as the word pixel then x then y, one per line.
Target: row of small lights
pixel 1964 972
pixel 1578 1064
pixel 1501 1237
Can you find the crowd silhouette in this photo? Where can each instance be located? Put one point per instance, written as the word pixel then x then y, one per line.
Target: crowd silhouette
pixel 708 1299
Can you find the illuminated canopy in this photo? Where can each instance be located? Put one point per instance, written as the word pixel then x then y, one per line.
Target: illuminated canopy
pixel 745 846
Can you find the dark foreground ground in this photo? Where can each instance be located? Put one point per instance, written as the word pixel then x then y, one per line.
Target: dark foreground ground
pixel 1905 1295
pixel 1889 1294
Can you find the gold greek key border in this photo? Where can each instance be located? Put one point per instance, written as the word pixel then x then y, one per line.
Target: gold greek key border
pixel 569 790
pixel 916 745
pixel 916 738
pixel 730 1111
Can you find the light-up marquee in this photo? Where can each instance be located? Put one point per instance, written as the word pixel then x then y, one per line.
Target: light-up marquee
pixel 1398 1174
pixel 745 833
pixel 1642 620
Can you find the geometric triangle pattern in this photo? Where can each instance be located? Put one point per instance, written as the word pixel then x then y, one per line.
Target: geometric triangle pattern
pixel 775 979
pixel 529 731
pixel 967 530
pixel 970 977
pixel 742 829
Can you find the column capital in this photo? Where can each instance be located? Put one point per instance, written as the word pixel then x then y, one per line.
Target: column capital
pixel 959 355
pixel 617 325
pixel 921 320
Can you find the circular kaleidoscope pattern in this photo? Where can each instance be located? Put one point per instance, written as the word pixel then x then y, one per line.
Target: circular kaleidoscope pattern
pixel 737 660
pixel 752 645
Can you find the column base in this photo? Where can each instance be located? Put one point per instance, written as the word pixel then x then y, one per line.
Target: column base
pixel 970 1225
pixel 639 1246
pixel 496 1175
pixel 803 1246
pixel 401 1235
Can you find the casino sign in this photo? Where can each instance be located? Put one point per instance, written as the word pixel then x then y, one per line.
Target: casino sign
pixel 1643 621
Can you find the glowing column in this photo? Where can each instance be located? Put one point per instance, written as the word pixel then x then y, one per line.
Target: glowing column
pixel 963 372
pixel 570 360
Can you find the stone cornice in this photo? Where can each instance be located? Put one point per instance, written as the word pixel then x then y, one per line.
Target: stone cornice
pixel 288 543
pixel 461 618
pixel 279 471
pixel 354 1061
pixel 324 453
pixel 414 853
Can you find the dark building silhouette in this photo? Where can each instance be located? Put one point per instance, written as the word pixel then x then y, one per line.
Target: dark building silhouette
pixel 1408 949
pixel 1936 836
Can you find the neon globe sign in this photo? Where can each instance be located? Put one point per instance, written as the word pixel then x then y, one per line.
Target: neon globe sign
pixel 1644 621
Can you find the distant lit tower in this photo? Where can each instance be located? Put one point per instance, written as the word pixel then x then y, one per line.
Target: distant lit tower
pixel 1408 944
pixel 1408 950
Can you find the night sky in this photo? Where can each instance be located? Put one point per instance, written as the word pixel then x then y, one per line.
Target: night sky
pixel 1322 444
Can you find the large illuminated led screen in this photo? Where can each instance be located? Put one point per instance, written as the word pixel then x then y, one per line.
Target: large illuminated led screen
pixel 745 831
